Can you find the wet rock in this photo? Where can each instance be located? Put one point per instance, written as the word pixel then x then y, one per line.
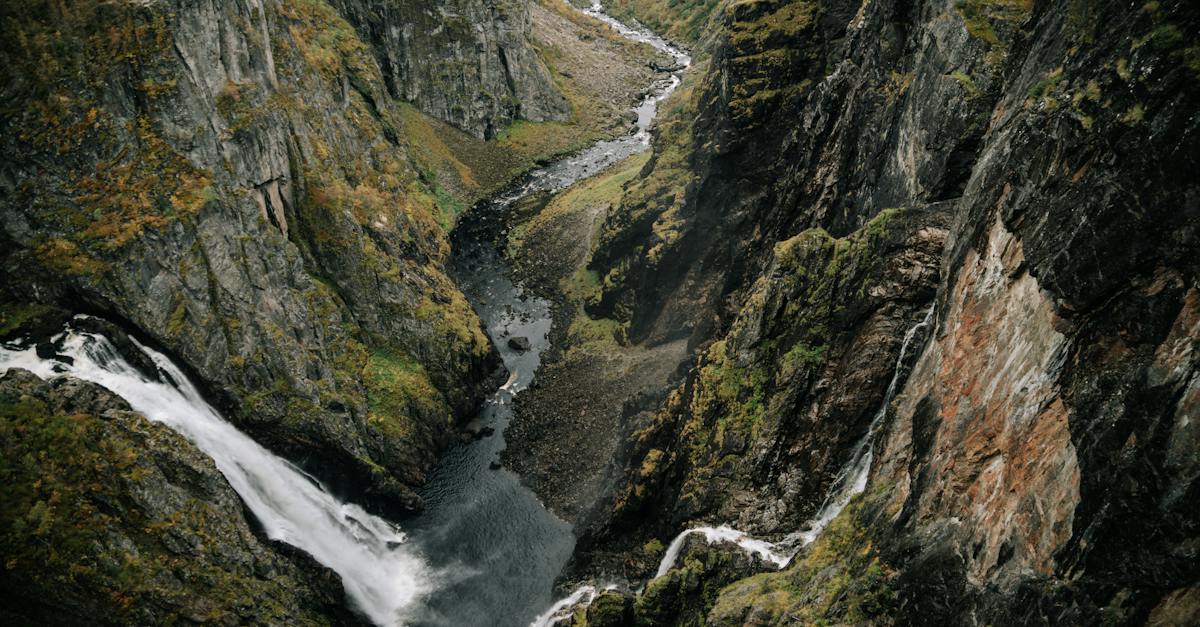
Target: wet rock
pixel 520 344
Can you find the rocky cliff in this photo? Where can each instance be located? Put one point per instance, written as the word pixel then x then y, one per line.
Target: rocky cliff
pixel 128 523
pixel 1027 170
pixel 466 62
pixel 237 181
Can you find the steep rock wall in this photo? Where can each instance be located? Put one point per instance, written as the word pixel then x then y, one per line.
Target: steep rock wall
pixel 467 62
pixel 1035 464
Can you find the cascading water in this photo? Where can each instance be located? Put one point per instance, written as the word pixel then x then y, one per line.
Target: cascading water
pixel 761 548
pixel 381 574
pixel 850 481
pixel 562 609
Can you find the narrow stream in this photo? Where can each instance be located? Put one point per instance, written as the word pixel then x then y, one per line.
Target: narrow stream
pixel 495 546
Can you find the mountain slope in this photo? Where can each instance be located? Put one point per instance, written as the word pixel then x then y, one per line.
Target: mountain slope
pixel 1025 169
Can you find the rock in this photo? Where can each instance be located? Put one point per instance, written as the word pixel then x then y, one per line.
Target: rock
pixel 485 45
pixel 119 483
pixel 520 344
pixel 817 206
pixel 495 465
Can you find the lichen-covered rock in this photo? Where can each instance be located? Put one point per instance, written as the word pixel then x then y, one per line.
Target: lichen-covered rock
pixel 108 518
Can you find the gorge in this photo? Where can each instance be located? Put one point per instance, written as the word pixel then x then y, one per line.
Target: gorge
pixel 633 312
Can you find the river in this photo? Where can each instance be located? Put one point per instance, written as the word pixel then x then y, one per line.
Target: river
pixel 498 549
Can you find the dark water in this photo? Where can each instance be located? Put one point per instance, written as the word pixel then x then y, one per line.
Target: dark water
pixel 496 550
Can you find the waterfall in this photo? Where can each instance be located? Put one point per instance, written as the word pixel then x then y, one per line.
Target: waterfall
pixel 561 610
pixel 381 574
pixel 850 481
pixel 761 548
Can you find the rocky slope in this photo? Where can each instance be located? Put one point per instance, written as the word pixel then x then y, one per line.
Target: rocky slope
pixel 237 181
pixel 128 523
pixel 842 167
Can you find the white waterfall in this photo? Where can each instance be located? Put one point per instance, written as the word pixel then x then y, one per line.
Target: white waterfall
pixel 766 550
pixel 562 609
pixel 381 575
pixel 850 481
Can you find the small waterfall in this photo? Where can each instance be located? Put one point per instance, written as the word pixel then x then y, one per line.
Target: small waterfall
pixel 761 548
pixel 561 610
pixel 850 481
pixel 381 575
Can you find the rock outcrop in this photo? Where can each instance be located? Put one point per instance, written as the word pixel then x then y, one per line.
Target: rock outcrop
pixel 1037 463
pixel 467 62
pixel 108 518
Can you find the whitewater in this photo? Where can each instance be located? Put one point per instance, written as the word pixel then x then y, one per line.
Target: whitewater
pixel 381 574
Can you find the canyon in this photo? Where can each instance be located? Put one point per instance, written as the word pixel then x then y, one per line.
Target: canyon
pixel 636 312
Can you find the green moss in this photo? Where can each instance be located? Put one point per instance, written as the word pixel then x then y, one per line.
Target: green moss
pixel 1046 84
pixel 397 389
pixel 967 83
pixel 15 315
pixel 653 548
pixel 993 21
pixel 839 579
pixel 175 321
pixel 1134 115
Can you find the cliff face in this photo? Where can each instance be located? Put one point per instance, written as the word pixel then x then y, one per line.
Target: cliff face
pixel 1027 169
pixel 466 62
pixel 125 522
pixel 234 179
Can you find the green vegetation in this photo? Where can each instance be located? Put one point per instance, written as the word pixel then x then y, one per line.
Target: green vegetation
pixel 87 515
pixel 968 83
pixel 13 316
pixel 775 56
pixel 839 579
pixel 681 20
pixel 398 388
pixel 993 22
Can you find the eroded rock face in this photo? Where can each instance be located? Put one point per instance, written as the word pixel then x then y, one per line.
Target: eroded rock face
pixel 109 518
pixel 1034 465
pixel 983 425
pixel 466 62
